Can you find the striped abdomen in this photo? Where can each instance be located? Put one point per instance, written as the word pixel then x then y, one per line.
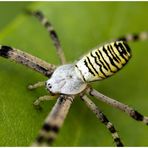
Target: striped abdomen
pixel 103 61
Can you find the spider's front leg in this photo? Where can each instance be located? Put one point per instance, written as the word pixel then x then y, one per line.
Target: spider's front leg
pixel 54 121
pixel 38 101
pixel 53 35
pixel 36 85
pixel 26 59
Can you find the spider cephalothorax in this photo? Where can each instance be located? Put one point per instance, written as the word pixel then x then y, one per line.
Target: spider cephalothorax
pixel 65 81
pixel 70 80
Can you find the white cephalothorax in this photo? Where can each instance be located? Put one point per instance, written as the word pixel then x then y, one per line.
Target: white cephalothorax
pixel 65 81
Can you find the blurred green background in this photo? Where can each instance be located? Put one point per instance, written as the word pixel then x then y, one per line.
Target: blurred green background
pixel 80 26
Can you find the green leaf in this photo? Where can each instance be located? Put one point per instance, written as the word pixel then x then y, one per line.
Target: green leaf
pixel 80 26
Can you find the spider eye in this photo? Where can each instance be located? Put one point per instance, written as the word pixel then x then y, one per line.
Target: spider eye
pixel 49 86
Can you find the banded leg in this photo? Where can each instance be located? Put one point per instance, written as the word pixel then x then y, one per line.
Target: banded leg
pixel 103 119
pixel 123 107
pixel 36 85
pixel 48 26
pixel 39 15
pixel 27 60
pixel 54 121
pixel 134 37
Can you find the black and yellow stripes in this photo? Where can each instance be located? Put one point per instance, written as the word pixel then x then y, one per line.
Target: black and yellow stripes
pixel 104 61
pixel 27 60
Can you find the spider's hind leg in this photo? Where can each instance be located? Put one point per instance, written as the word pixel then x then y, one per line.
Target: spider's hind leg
pixel 91 105
pixel 134 37
pixel 121 106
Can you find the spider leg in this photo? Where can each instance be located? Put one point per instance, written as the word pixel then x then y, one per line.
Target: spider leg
pixel 134 37
pixel 123 107
pixel 37 102
pixel 54 121
pixel 27 60
pixel 36 85
pixel 48 26
pixel 91 105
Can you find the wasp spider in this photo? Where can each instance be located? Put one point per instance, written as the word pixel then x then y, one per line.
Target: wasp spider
pixel 69 80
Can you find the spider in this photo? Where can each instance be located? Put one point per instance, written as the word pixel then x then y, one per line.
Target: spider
pixel 70 80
